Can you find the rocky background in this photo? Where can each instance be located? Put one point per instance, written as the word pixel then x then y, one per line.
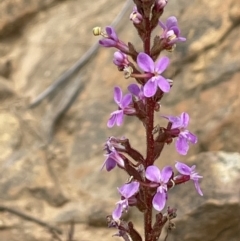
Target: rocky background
pixel 51 152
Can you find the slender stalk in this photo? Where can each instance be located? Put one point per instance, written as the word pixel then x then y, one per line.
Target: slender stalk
pixel 147 39
pixel 149 140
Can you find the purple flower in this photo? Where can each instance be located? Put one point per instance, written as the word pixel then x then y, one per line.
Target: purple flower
pixel 127 192
pixel 135 16
pixel 120 59
pixel 137 92
pixel 171 32
pixel 147 64
pixel 111 40
pixel 185 136
pixel 112 157
pixel 123 103
pixel 189 171
pixel 155 175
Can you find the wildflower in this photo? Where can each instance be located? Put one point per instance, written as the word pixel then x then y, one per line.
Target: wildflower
pixel 171 32
pixel 112 157
pixel 111 39
pixel 120 59
pixel 123 103
pixel 185 136
pixel 137 92
pixel 135 16
pixel 162 178
pixel 127 192
pixel 146 63
pixel 189 171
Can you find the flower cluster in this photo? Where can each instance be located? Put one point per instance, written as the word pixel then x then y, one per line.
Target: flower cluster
pixel 148 187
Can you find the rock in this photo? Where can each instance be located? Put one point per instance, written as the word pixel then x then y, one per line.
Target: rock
pixel 10 132
pixel 27 175
pixel 15 13
pixel 5 68
pixel 6 90
pixel 215 215
pixel 88 210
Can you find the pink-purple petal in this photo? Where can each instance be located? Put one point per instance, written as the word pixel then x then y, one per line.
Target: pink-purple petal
pixel 181 39
pixel 192 138
pixel 171 22
pixel 183 168
pixel 198 187
pixel 145 62
pixel 182 145
pixel 107 42
pixel 163 84
pixel 163 26
pixel 117 94
pixel 176 121
pixel 111 33
pixel 185 119
pixel 112 120
pixel 126 101
pixel 166 174
pixel 161 65
pixel 134 89
pixel 176 30
pixel 117 213
pixel 128 190
pixel 119 117
pixel 159 201
pixel 150 87
pixel 118 55
pixel 118 159
pixel 110 163
pixel 118 58
pixel 153 174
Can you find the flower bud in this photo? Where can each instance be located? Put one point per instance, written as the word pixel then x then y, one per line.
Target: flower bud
pixel 135 16
pixel 160 4
pixel 120 59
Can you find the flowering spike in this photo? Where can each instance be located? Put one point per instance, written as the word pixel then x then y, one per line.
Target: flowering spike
pixel 147 187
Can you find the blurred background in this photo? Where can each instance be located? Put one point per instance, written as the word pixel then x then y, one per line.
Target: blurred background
pixel 52 151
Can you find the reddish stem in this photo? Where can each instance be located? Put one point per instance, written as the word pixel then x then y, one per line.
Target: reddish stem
pixel 150 141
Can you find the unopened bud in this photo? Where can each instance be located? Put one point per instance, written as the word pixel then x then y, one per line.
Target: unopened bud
pixel 135 16
pixel 160 4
